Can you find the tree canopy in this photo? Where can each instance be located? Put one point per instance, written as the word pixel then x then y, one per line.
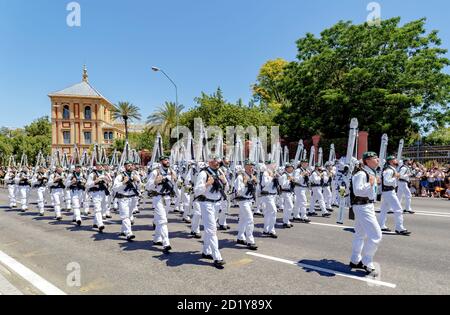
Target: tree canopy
pixel 390 77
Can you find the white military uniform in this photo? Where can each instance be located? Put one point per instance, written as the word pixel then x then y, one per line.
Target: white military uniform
pixel 403 186
pixel 39 182
pixel 390 200
pixel 126 196
pixel 76 193
pixel 317 196
pixel 287 196
pixel 57 186
pixel 367 231
pixel 245 197
pixel 327 195
pixel 98 193
pixel 12 188
pixel 23 184
pixel 161 202
pixel 209 200
pixel 301 190
pixel 269 192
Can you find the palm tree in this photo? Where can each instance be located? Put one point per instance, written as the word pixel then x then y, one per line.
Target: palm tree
pixel 164 119
pixel 126 112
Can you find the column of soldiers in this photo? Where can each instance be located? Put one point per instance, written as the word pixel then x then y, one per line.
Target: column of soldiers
pixel 203 194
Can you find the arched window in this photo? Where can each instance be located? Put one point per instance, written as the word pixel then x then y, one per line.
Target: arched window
pixel 87 113
pixel 105 135
pixel 111 136
pixel 66 112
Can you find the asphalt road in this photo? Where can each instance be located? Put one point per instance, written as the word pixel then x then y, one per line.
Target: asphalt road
pixel 308 259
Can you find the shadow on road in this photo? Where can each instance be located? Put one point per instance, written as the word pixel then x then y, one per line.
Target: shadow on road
pixel 329 264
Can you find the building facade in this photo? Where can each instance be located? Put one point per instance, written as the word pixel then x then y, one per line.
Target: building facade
pixel 82 116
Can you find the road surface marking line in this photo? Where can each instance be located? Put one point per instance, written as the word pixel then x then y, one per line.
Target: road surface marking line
pixel 329 271
pixel 433 212
pixel 37 281
pixel 6 288
pixel 332 225
pixel 433 215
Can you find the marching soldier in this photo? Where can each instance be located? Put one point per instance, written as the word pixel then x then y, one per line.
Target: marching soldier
pixel 23 183
pixel 245 187
pixel 301 180
pixel 196 209
pixel 57 186
pixel 368 234
pixel 188 190
pixel 316 180
pixel 404 184
pixel 126 187
pixel 224 205
pixel 269 190
pixel 389 198
pixel 327 183
pixel 287 194
pixel 39 182
pixel 97 185
pixel 11 184
pixel 76 183
pixel 209 191
pixel 161 184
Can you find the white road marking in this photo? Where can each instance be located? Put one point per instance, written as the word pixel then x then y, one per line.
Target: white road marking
pixel 433 212
pixel 37 281
pixel 332 225
pixel 433 215
pixel 329 271
pixel 6 288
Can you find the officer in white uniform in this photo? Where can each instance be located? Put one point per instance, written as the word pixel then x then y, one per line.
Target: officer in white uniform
pixel 403 185
pixel 245 187
pixel 76 183
pixel 12 188
pixel 23 182
pixel 209 191
pixel 301 180
pixel 316 180
pixel 126 187
pixel 57 186
pixel 287 185
pixel 39 182
pixel 97 185
pixel 161 184
pixel 270 185
pixel 223 213
pixel 368 234
pixel 327 185
pixel 389 199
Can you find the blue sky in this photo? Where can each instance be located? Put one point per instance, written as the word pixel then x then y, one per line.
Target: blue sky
pixel 201 44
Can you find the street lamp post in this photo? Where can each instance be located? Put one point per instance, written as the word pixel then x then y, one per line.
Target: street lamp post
pixel 156 69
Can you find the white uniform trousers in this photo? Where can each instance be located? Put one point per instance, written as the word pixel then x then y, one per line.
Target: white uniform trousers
pixel 98 198
pixel 160 220
pixel 300 203
pixel 223 212
pixel 126 206
pixel 246 223
pixel 288 206
pixel 186 205
pixel 317 196
pixel 270 213
pixel 389 201
pixel 210 240
pixel 77 196
pixel 106 206
pixel 367 235
pixel 40 191
pixel 327 197
pixel 68 199
pixel 12 195
pixel 197 217
pixel 403 190
pixel 57 197
pixel 23 193
pixel 86 202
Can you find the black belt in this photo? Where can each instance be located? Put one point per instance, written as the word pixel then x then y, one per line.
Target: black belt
pixel 243 199
pixel 120 196
pixel 316 185
pixel 204 199
pixel 265 193
pixel 362 202
pixel 302 186
pixel 287 191
pixel 388 188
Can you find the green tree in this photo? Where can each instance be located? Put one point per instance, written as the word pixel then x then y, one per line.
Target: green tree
pixel 390 77
pixel 440 136
pixel 164 119
pixel 214 110
pixel 126 112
